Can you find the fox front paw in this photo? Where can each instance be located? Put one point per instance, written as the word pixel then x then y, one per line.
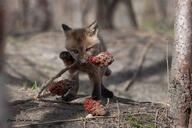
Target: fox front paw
pixel 106 93
pixel 68 97
pixel 66 57
pixel 96 95
pixel 108 72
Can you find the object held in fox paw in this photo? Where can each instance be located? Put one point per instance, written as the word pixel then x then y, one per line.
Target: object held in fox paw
pixel 101 60
pixel 66 57
pixel 94 107
pixel 60 87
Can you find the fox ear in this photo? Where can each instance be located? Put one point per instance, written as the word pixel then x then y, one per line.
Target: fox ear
pixel 66 28
pixel 93 28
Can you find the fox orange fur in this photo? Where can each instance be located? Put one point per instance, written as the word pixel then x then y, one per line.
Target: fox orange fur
pixel 80 44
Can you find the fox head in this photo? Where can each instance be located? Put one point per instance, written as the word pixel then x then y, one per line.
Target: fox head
pixel 81 42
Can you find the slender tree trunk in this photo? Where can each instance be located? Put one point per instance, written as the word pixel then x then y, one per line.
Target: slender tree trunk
pixel 180 88
pixel 131 14
pixel 76 13
pixel 2 44
pixel 170 12
pixel 105 12
pixel 25 7
pixel 86 5
pixel 3 106
pixel 44 5
pixel 160 9
pixel 106 9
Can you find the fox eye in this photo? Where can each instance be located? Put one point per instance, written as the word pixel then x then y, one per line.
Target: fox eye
pixel 87 49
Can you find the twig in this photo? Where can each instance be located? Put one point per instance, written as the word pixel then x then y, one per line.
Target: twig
pixel 166 112
pixel 84 124
pixel 167 60
pixel 44 86
pixel 40 99
pixel 118 114
pixel 140 66
pixel 59 102
pixel 156 117
pixel 163 111
pixel 61 121
pixel 107 104
pixel 28 100
pixel 135 114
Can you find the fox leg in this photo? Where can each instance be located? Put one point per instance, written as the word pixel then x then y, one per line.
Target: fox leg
pixel 108 72
pixel 66 57
pixel 96 81
pixel 73 75
pixel 104 91
pixel 72 93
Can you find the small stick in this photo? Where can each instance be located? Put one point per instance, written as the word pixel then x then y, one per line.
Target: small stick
pixel 62 121
pixel 140 66
pixel 118 113
pixel 107 104
pixel 156 117
pixel 42 100
pixel 167 61
pixel 59 102
pixel 44 86
pixel 84 124
pixel 28 100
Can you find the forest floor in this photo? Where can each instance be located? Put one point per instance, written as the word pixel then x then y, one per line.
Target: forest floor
pixel 34 59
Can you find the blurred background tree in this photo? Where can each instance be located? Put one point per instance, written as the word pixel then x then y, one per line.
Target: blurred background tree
pixel 44 6
pixel 26 16
pixel 2 33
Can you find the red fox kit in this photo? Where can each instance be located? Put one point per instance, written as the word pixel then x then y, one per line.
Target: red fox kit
pixel 81 43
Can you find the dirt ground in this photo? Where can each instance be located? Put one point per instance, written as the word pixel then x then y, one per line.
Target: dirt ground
pixel 35 58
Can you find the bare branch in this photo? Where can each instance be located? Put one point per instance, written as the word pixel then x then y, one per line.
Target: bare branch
pixel 44 86
pixel 140 66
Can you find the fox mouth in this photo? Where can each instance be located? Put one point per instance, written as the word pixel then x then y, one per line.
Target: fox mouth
pixel 83 61
pixel 71 56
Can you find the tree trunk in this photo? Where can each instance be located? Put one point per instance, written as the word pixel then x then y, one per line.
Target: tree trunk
pixel 25 7
pixel 131 14
pixel 170 12
pixel 86 5
pixel 2 44
pixel 180 88
pixel 160 9
pixel 105 12
pixel 44 5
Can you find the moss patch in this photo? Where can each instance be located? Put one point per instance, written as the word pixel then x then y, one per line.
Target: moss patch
pixel 140 122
